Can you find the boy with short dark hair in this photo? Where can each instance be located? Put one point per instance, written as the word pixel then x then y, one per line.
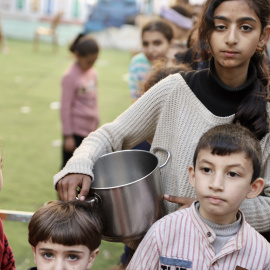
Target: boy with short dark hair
pixel 212 233
pixel 65 235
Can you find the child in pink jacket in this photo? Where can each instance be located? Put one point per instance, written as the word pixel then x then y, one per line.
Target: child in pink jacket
pixel 79 108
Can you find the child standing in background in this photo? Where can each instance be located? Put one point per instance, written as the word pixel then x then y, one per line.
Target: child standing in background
pixel 7 261
pixel 79 107
pixel 180 18
pixel 156 39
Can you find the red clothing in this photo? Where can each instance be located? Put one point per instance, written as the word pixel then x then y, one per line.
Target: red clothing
pixel 79 108
pixel 6 255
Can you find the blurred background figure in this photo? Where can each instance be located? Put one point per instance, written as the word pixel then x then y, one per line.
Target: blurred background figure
pixel 161 70
pixel 156 40
pixel 3 46
pixel 79 107
pixel 191 55
pixel 180 18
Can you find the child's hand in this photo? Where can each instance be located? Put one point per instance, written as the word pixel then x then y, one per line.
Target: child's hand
pixel 69 144
pixel 185 202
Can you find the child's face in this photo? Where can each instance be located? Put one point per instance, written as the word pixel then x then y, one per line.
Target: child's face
pixel 155 45
pixel 237 34
pixel 86 62
pixel 1 176
pixel 221 184
pixel 51 256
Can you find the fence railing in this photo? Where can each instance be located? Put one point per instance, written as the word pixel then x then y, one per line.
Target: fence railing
pixel 15 215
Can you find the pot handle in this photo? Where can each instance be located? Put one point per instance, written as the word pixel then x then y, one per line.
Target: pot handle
pixel 93 199
pixel 164 150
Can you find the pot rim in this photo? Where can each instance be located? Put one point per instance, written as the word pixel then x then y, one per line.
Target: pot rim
pixel 122 186
pixel 128 150
pixel 133 182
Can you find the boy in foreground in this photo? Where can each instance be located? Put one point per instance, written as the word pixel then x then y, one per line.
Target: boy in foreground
pixel 65 235
pixel 212 233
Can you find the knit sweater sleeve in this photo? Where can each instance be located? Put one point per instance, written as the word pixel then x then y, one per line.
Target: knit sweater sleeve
pixel 136 124
pixel 257 210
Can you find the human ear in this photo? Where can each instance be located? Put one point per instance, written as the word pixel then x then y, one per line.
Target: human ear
pixel 191 175
pixel 92 258
pixel 34 252
pixel 256 188
pixel 264 37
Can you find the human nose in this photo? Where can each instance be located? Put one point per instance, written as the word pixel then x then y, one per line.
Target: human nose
pixel 59 264
pixel 151 49
pixel 232 36
pixel 217 182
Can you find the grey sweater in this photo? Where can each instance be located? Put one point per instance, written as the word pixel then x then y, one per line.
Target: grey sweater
pixel 223 232
pixel 170 116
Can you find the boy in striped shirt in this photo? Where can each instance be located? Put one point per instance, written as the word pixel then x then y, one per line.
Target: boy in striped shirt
pixel 212 233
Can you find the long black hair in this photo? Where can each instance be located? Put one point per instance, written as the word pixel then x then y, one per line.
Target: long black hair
pixel 83 45
pixel 252 112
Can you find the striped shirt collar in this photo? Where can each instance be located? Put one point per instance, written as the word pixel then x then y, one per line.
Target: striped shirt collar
pixel 238 241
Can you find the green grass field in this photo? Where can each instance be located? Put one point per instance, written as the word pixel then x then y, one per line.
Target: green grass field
pixel 31 132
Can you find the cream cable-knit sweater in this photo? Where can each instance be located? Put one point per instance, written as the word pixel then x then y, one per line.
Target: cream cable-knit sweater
pixel 169 116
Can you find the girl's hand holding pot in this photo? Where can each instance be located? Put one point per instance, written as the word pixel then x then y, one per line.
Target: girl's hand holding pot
pixel 67 187
pixel 185 202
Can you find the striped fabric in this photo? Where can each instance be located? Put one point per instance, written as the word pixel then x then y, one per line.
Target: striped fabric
pixel 182 241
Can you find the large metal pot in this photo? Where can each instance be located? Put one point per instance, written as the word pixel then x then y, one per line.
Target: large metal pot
pixel 128 185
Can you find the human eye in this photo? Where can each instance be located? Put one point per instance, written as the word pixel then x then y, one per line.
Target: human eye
pixel 145 44
pixel 246 28
pixel 47 255
pixel 233 174
pixel 157 42
pixel 220 27
pixel 206 170
pixel 73 257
